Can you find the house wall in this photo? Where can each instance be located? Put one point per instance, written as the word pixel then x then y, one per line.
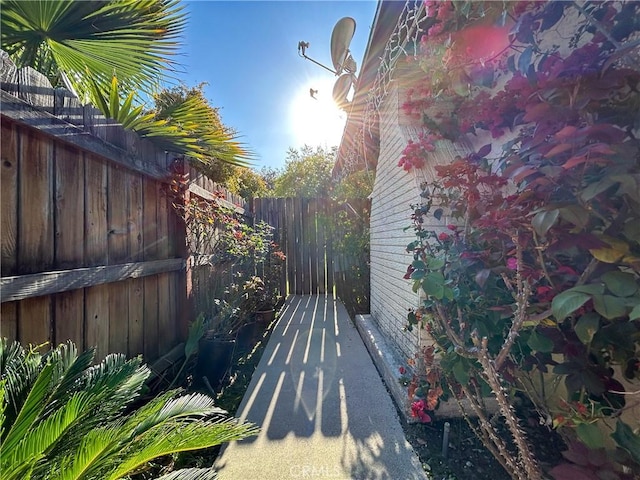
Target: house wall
pixel 394 191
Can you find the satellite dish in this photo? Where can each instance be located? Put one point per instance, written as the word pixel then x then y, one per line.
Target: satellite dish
pixel 340 41
pixel 341 89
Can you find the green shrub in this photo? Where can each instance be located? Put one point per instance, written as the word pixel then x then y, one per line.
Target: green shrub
pixel 63 417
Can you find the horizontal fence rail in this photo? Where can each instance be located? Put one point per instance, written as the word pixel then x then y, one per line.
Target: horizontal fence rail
pixel 47 283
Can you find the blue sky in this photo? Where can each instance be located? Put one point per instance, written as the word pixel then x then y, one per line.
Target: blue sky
pixel 247 53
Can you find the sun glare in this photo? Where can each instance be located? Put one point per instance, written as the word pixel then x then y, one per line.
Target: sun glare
pixel 316 121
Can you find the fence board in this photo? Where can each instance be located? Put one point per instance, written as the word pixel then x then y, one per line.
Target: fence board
pixel 321 235
pixel 282 232
pixel 9 197
pixel 96 232
pixel 34 321
pixel 118 317
pixel 136 316
pixel 150 345
pixel 150 228
pixel 97 320
pixel 69 202
pixel 117 216
pixel 35 227
pixel 290 245
pixel 69 317
pixel 312 230
pixel 166 322
pixel 329 235
pixel 135 219
pixel 9 321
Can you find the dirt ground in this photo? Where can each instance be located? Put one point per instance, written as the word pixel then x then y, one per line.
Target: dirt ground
pixel 467 458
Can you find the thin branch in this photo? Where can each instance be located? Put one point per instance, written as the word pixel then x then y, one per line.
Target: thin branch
pixel 598 25
pixel 532 470
pixel 522 302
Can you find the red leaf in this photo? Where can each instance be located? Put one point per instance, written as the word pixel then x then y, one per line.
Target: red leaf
pixel 411 390
pixel 566 133
pixel 605 133
pixel 562 147
pixel 575 161
pixel 537 112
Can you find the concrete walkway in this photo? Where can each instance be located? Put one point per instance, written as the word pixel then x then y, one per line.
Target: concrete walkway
pixel 321 405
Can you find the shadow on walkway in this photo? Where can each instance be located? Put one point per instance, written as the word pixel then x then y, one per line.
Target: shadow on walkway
pixel 321 405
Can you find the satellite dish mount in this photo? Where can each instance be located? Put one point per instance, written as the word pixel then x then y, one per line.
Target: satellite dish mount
pixel 340 41
pixel 344 66
pixel 302 48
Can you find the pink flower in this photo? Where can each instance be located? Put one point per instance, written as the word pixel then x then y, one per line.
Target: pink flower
pixel 452 227
pixel 418 411
pixel 402 370
pixel 443 237
pixel 512 263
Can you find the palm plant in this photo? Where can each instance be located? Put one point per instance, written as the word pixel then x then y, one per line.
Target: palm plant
pixel 188 125
pixel 62 417
pixel 74 41
pixel 101 49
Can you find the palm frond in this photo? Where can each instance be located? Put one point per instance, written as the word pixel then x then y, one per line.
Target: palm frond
pixel 191 474
pixel 134 38
pixel 181 436
pixel 41 437
pixel 18 370
pixel 71 368
pixel 70 424
pixel 29 413
pixel 90 456
pixel 166 409
pixel 187 127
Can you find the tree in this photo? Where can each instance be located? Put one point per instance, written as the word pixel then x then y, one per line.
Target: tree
pixel 355 185
pixel 188 109
pixel 248 184
pixel 269 176
pixel 307 173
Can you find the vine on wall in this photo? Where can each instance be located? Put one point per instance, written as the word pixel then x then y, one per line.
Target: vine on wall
pixel 539 278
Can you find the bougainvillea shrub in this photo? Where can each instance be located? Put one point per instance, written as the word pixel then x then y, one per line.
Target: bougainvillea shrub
pixel 536 288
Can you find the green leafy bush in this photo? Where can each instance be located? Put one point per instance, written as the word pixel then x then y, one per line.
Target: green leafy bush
pixel 64 418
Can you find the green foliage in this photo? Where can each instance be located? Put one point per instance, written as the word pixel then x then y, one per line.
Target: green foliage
pixel 62 417
pixel 78 42
pixel 213 146
pixel 101 49
pixel 540 278
pixel 182 122
pixel 307 173
pixel 248 184
pixel 355 185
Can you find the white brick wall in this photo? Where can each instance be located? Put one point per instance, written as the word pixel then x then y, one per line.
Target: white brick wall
pixel 393 193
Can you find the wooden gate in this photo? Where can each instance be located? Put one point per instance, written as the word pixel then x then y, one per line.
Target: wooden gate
pixel 326 244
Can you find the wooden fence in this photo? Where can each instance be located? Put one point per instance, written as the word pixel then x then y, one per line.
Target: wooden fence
pixel 91 247
pixel 326 244
pixel 92 250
